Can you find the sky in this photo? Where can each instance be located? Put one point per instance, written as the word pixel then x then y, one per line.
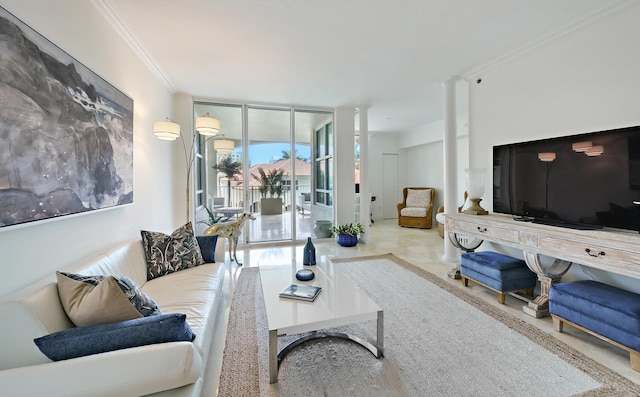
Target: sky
pixel 265 153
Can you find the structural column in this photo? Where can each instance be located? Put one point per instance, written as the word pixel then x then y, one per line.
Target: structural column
pixel 365 200
pixel 344 163
pixel 450 160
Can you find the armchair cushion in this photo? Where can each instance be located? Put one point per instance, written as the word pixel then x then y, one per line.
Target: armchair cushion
pixel 414 212
pixel 418 198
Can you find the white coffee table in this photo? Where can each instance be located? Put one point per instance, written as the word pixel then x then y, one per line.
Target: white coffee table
pixel 339 303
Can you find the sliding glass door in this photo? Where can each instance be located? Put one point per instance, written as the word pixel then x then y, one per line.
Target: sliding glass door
pixel 266 163
pixel 270 173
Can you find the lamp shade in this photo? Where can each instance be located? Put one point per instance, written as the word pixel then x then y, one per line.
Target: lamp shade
pixel 166 130
pixel 475 182
pixel 223 145
pixel 581 146
pixel 547 156
pixel 207 125
pixel 595 151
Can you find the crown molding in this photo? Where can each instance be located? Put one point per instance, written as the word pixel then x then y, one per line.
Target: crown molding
pixel 594 16
pixel 106 8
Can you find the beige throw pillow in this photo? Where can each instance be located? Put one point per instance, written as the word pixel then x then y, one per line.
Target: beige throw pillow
pixel 88 304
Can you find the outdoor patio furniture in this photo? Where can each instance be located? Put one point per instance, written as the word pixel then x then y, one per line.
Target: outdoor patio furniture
pixel 303 202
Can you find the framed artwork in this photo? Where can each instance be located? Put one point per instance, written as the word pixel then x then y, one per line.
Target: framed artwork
pixel 66 134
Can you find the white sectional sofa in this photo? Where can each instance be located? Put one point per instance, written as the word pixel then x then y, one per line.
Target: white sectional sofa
pixel 168 369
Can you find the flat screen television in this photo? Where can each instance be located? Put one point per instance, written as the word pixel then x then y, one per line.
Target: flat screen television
pixel 585 181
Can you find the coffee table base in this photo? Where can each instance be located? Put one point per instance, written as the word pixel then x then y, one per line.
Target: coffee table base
pixel 276 359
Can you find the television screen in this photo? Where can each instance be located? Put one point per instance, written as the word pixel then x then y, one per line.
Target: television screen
pixel 581 181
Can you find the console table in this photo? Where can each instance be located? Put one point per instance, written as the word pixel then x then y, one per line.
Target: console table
pixel 611 251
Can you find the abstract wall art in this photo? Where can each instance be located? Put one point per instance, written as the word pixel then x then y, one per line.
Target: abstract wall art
pixel 66 134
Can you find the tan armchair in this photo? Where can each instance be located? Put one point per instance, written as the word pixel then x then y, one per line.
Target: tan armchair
pixel 416 208
pixel 441 210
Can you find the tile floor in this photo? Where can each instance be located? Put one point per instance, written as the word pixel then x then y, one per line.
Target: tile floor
pixel 423 248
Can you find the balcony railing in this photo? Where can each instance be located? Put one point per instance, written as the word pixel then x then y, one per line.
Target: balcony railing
pixel 237 197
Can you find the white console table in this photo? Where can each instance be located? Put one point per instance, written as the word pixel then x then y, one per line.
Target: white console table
pixel 612 251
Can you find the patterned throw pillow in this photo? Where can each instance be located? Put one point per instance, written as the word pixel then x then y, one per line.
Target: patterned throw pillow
pixel 92 300
pixel 418 198
pixel 171 253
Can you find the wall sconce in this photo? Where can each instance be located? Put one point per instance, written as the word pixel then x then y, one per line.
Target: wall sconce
pixel 166 130
pixel 595 151
pixel 207 125
pixel 581 146
pixel 223 145
pixel 547 156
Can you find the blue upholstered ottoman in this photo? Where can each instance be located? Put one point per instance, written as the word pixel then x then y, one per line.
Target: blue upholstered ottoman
pixel 602 310
pixel 498 272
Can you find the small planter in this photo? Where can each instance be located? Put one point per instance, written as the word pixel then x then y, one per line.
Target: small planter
pixel 271 206
pixel 322 228
pixel 348 233
pixel 347 240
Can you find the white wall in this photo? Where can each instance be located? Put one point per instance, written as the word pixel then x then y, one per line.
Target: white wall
pixel 36 250
pixel 422 153
pixel 585 81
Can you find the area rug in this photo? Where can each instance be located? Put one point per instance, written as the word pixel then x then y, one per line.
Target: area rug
pixel 439 341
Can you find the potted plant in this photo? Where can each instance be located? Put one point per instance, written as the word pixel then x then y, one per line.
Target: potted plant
pixel 348 233
pixel 230 169
pixel 271 182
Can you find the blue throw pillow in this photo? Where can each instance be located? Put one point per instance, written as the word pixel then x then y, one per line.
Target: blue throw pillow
pixel 83 341
pixel 207 246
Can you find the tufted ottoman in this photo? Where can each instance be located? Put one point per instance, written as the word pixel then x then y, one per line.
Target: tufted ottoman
pixel 602 310
pixel 497 272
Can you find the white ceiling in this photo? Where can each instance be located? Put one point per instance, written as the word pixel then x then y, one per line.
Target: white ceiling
pixel 389 55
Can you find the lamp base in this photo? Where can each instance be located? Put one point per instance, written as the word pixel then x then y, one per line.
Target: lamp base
pixel 474 208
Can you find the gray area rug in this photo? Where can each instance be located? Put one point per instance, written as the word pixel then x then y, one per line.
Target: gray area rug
pixel 439 341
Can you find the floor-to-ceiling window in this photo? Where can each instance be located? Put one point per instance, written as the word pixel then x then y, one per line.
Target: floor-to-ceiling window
pixel 307 123
pixel 265 164
pixel 270 173
pixel 218 191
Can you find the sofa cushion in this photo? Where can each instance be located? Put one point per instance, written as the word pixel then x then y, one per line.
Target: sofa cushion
pixel 92 300
pixel 171 253
pixel 195 292
pixel 20 326
pixel 418 198
pixel 84 341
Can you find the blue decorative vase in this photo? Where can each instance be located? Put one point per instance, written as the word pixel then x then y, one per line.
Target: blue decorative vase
pixel 309 256
pixel 346 240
